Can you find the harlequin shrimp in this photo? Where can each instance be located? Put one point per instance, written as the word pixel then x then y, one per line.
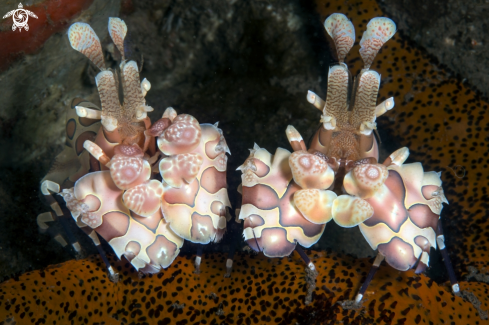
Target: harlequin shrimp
pixel 284 203
pixel 143 187
pixel 289 197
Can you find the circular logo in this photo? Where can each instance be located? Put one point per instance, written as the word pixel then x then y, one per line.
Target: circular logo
pixel 20 17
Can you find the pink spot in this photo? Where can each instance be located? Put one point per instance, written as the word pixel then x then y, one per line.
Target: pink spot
pixel 128 150
pixel 305 162
pixel 128 173
pixel 372 173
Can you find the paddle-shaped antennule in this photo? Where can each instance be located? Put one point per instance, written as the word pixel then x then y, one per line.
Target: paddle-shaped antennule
pixel 134 90
pixel 379 30
pixel 118 31
pixel 342 32
pixel 84 40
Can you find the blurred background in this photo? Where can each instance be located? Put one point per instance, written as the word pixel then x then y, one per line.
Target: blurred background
pixel 247 64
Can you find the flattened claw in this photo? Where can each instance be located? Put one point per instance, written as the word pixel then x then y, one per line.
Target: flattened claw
pixel 432 178
pixel 365 180
pixel 178 169
pixel 315 205
pixel 84 203
pixel 128 172
pixel 350 211
pixel 272 242
pixel 144 199
pixel 84 40
pixel 310 171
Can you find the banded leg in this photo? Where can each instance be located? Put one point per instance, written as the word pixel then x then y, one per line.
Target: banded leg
pixel 229 262
pixel 113 276
pixel 239 204
pixel 238 220
pixel 305 258
pixel 42 220
pixel 47 188
pixel 422 264
pixel 198 258
pixel 311 274
pixel 440 240
pixel 424 257
pixel 370 276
